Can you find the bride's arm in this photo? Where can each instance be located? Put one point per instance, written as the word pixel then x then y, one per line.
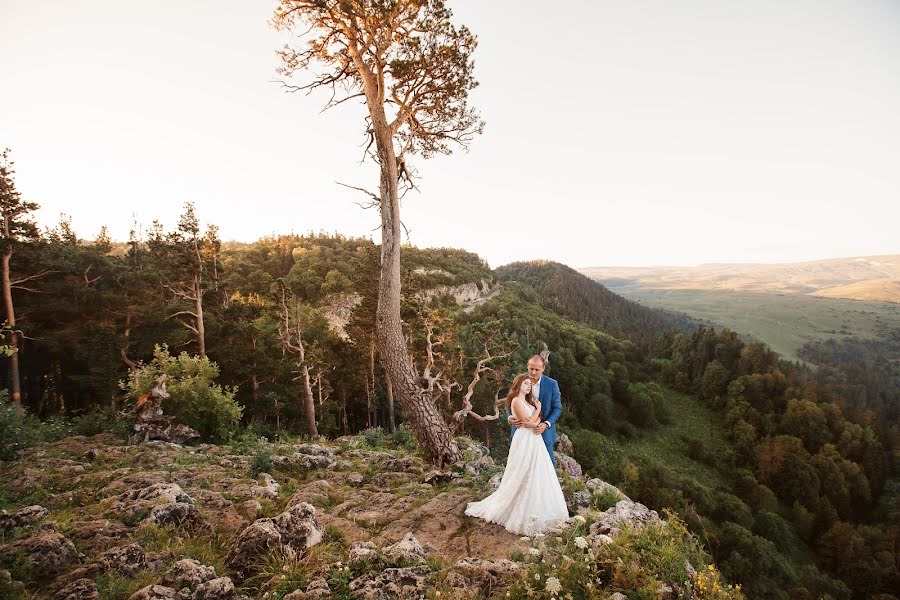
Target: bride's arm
pixel 518 409
pixel 536 415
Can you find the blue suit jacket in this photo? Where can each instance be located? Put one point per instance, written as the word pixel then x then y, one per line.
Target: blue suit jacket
pixel 551 409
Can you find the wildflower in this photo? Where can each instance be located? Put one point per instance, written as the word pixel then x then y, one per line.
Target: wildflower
pixel 553 586
pixel 534 552
pixel 581 542
pixel 580 519
pixel 710 567
pixel 537 576
pixel 524 539
pixel 538 535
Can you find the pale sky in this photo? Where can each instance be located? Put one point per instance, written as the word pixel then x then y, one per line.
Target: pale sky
pixel 627 133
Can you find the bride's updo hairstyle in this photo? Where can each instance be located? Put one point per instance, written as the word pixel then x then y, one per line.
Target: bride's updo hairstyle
pixel 514 391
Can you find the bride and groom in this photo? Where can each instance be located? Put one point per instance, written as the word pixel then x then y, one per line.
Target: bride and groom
pixel 529 498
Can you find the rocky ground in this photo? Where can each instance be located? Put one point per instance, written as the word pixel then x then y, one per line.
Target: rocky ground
pixel 91 518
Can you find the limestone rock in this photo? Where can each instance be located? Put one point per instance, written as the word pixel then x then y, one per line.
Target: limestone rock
pixel 579 501
pixel 98 534
pixel 49 552
pixel 22 517
pixel 162 492
pixel 173 513
pixel 80 589
pixel 316 590
pixel 408 549
pixel 362 551
pixel 220 588
pixel 410 582
pixel 126 560
pixel 154 592
pixel 188 573
pixel 267 489
pixel 296 528
pixel 612 520
pixel 598 486
pixel 563 445
pixel 567 465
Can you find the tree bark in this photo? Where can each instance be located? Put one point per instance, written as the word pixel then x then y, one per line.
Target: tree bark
pixel 431 430
pixel 390 399
pixel 308 401
pixel 15 389
pixel 198 310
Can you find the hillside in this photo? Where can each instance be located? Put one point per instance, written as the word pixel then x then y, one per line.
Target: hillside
pixel 89 517
pixel 574 295
pixel 859 278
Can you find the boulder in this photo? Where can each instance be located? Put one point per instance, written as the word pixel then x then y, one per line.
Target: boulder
pixel 80 589
pixel 568 465
pixel 296 528
pixel 579 501
pixel 407 549
pixel 173 513
pixel 625 512
pixel 410 582
pixel 126 560
pixel 49 552
pixel 563 445
pixel 188 573
pixel 316 590
pixel 160 491
pixel 155 592
pixel 22 517
pixel 361 552
pixel 598 486
pixel 220 588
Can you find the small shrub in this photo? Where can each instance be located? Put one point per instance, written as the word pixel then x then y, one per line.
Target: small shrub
pixel 194 398
pixel 100 421
pixel 262 461
pixel 404 437
pixel 18 429
pixel 373 437
pixel 605 499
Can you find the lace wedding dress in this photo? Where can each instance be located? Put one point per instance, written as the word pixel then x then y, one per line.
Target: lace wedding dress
pixel 529 498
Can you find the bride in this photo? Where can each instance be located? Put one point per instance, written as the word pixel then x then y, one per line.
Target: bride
pixel 529 498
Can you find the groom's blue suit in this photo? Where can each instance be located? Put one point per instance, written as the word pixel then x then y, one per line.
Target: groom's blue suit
pixel 551 409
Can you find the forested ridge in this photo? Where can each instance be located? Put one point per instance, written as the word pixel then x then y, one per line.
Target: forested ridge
pixel 796 494
pixel 570 293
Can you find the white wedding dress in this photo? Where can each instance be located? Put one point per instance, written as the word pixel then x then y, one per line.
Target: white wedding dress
pixel 529 498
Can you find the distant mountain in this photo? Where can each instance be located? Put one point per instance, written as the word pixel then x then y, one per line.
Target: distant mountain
pixel 574 295
pixel 857 278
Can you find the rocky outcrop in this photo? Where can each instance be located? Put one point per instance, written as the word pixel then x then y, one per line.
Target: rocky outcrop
pixel 391 514
pixel 22 517
pixel 80 589
pixel 467 293
pixel 295 528
pixel 625 512
pixel 407 582
pixel 48 552
pixel 189 579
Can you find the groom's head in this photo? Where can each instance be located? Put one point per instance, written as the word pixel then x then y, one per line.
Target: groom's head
pixel 535 368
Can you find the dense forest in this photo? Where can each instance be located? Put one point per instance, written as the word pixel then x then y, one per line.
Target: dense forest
pixel 800 497
pixel 569 293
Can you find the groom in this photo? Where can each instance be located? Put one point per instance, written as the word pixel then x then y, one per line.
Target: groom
pixel 546 390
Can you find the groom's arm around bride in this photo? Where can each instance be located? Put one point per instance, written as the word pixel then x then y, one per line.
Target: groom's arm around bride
pixel 551 404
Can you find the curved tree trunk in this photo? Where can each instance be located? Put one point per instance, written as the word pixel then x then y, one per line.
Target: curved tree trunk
pixel 431 430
